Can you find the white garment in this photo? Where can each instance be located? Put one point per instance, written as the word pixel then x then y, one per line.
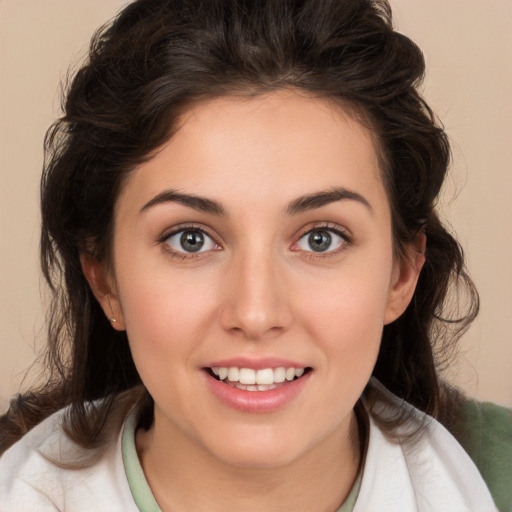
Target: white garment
pixel 29 482
pixel 432 474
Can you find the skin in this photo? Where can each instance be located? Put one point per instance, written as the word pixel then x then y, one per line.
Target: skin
pixel 257 290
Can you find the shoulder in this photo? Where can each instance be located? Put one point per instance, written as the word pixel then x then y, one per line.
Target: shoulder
pixel 26 472
pixel 45 471
pixel 488 441
pixel 416 463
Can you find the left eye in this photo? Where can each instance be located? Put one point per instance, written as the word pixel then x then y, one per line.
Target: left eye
pixel 321 240
pixel 190 241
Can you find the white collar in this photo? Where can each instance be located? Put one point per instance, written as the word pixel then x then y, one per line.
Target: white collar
pixel 430 473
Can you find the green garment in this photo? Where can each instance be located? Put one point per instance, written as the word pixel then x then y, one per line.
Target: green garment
pixel 136 480
pixel 488 441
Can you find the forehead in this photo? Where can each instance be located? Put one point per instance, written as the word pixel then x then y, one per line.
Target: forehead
pixel 252 151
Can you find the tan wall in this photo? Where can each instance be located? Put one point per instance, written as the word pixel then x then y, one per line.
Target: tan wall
pixel 467 44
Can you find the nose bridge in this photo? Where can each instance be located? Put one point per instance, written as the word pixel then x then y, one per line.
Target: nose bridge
pixel 256 303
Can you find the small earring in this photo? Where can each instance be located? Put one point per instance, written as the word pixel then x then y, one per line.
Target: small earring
pixel 112 320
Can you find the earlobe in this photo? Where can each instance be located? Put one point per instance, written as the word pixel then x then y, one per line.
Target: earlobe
pixel 405 277
pixel 103 287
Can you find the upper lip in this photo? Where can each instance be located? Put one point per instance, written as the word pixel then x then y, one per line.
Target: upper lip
pixel 256 363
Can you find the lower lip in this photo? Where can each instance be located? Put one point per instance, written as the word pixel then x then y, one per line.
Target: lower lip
pixel 257 401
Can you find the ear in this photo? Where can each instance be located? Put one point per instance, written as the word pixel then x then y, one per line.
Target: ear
pixel 405 276
pixel 103 287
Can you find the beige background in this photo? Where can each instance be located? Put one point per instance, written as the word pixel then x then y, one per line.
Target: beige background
pixel 468 48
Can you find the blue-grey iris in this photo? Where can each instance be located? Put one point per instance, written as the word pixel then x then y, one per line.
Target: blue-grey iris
pixel 192 241
pixel 320 241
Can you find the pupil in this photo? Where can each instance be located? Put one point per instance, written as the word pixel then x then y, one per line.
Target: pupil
pixel 320 241
pixel 192 241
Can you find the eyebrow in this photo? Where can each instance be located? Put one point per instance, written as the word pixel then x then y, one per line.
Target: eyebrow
pixel 300 205
pixel 196 202
pixel 322 198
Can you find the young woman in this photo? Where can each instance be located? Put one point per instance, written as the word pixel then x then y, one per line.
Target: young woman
pixel 248 273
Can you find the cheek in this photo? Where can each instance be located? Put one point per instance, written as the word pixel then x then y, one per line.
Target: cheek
pixel 166 312
pixel 347 314
pixel 166 328
pixel 356 295
pixel 161 314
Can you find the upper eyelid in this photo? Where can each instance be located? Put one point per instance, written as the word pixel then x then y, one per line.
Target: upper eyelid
pixel 327 226
pixel 186 227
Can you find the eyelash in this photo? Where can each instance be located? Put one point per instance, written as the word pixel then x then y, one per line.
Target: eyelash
pixel 331 228
pixel 328 227
pixel 183 255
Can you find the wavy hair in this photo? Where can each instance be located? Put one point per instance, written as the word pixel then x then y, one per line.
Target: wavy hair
pixel 144 70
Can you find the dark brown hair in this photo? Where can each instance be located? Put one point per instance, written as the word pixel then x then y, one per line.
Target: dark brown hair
pixel 144 70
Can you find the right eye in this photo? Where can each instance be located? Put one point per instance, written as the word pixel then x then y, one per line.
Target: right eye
pixel 191 240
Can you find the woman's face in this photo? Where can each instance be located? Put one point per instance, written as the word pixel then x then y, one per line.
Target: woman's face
pixel 257 243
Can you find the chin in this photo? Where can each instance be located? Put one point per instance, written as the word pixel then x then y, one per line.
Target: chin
pixel 257 453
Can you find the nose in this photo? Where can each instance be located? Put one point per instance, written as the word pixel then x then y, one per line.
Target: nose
pixel 256 304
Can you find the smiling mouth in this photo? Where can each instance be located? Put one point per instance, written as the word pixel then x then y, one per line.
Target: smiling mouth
pixel 248 379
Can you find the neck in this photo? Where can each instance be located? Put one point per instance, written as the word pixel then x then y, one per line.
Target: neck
pixel 184 476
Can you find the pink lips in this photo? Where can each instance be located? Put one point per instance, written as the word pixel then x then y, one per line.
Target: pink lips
pixel 256 401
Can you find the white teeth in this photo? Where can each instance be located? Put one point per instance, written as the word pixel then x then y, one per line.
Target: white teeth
pixel 247 376
pixel 243 387
pixel 265 376
pixel 233 374
pixel 280 374
pixel 290 373
pixel 256 380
